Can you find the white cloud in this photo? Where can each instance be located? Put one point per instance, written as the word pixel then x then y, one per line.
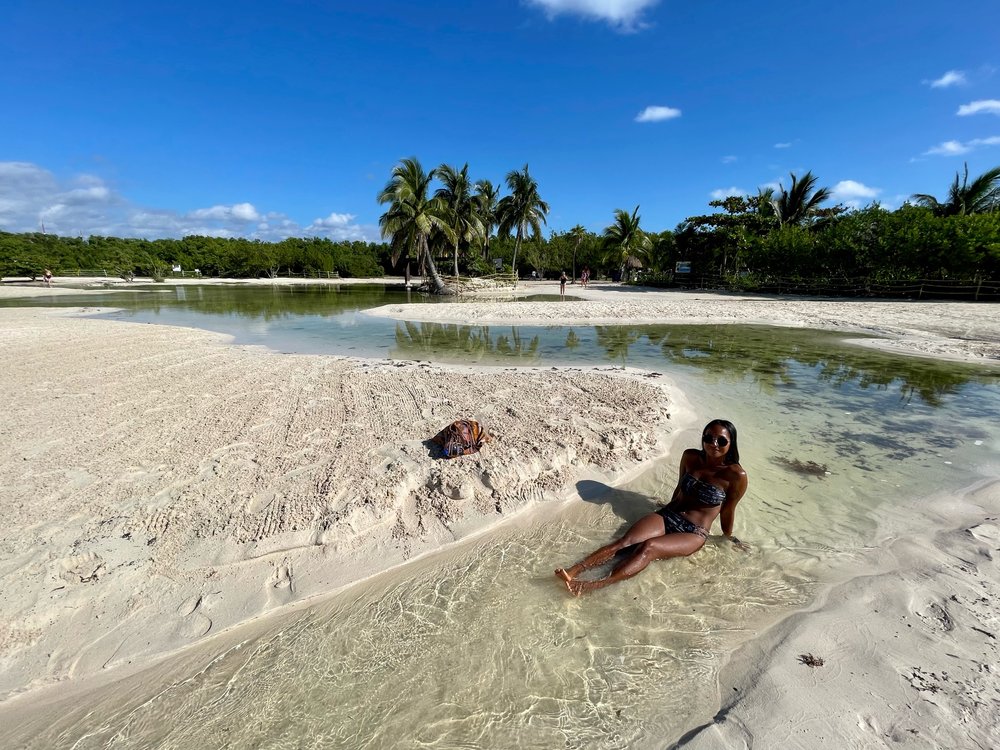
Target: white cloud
pixel 96 193
pixel 720 193
pixel 729 159
pixel 951 78
pixel 989 106
pixel 334 220
pixel 655 114
pixel 245 212
pixel 847 190
pixel 31 196
pixel 237 212
pixel 852 193
pixel 947 148
pixel 957 148
pixel 782 145
pixel 624 15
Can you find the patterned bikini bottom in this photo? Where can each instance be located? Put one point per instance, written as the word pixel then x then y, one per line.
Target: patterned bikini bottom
pixel 675 523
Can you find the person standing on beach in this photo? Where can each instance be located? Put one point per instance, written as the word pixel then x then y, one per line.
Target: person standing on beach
pixel 711 484
pixel 562 285
pixel 47 277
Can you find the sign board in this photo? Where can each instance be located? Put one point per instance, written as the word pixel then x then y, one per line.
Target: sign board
pixel 682 266
pixel 498 263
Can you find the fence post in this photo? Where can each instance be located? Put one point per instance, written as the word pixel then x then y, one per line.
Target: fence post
pixel 978 287
pixel 920 294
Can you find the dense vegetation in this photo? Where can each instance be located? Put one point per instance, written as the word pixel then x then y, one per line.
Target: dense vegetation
pixel 474 230
pixel 29 254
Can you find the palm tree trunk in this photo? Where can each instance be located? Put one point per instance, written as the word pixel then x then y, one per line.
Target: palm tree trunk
pixel 456 258
pixel 517 246
pixel 439 286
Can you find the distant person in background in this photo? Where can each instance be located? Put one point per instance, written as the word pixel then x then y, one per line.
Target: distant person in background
pixel 711 484
pixel 562 284
pixel 47 277
pixel 585 276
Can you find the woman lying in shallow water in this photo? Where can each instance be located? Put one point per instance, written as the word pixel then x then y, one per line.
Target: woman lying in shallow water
pixel 711 484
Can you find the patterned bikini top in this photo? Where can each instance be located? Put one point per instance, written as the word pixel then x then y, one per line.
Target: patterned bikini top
pixel 703 492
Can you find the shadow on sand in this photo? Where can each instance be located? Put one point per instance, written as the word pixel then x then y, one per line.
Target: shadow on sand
pixel 628 506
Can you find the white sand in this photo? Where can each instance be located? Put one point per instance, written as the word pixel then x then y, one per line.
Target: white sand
pixel 159 485
pixel 909 641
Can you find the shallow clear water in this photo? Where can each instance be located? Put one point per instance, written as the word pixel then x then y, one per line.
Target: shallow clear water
pixel 479 646
pixel 305 319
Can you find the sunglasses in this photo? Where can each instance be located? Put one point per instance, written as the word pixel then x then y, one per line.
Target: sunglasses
pixel 719 441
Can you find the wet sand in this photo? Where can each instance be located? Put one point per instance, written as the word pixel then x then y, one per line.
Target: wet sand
pixel 161 486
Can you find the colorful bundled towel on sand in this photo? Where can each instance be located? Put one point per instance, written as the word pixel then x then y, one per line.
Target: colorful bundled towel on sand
pixel 461 437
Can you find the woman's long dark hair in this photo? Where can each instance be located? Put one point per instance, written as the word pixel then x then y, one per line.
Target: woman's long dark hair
pixel 733 455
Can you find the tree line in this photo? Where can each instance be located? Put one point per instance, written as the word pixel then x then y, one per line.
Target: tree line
pixel 441 216
pixel 28 254
pixel 777 233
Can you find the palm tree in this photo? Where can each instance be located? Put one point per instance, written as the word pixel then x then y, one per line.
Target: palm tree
pixel 981 197
pixel 520 211
pixel 577 233
pixel 462 205
pixel 763 202
pixel 625 241
pixel 487 196
pixel 412 216
pixel 800 202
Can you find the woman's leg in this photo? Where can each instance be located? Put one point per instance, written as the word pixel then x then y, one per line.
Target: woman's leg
pixel 647 527
pixel 658 548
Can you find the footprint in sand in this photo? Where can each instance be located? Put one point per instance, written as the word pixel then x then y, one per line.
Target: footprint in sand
pixel 194 622
pixel 937 617
pixel 281 584
pixel 86 568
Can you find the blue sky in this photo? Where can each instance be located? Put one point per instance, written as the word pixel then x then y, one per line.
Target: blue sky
pixel 285 118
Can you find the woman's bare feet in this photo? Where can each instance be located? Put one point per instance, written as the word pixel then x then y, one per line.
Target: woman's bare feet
pixel 565 577
pixel 578 587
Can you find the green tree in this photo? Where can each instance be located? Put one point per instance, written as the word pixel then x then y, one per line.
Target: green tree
pixel 463 216
pixel 663 251
pixel 412 216
pixel 625 242
pixel 800 203
pixel 487 197
pixel 980 197
pixel 730 233
pixel 577 234
pixel 521 211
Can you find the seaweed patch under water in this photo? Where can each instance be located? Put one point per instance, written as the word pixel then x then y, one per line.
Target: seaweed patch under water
pixel 806 468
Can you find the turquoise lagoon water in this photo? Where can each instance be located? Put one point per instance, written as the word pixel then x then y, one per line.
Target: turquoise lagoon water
pixel 478 646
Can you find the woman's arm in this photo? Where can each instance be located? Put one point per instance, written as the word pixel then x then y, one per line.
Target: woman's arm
pixel 734 494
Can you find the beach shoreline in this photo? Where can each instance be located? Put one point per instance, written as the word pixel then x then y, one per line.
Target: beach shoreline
pixel 941 330
pixel 90 353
